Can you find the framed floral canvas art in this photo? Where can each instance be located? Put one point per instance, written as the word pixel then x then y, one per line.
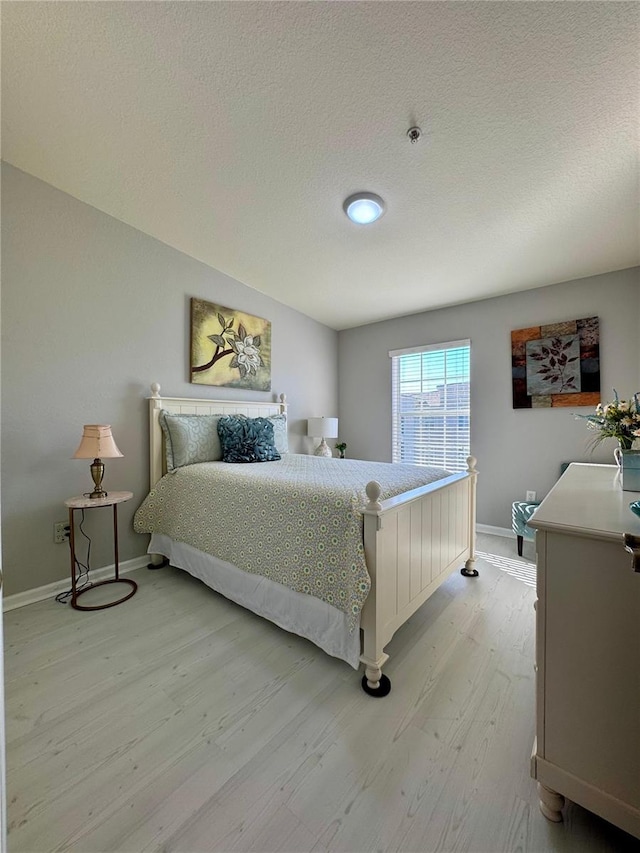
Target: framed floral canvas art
pixel 229 347
pixel 556 365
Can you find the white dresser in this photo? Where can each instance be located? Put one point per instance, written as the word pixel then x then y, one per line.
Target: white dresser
pixel 587 745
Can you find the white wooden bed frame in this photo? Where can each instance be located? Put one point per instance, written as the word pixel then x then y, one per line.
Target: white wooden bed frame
pixel 412 542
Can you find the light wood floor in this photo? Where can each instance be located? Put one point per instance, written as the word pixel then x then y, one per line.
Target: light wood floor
pixel 179 722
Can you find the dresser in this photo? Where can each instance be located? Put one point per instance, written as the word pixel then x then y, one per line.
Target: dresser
pixel 587 745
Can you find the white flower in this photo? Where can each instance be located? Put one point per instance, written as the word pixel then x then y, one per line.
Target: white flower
pixel 248 354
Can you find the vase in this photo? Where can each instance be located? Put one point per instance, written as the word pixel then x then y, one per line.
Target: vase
pixel 630 469
pixel 623 444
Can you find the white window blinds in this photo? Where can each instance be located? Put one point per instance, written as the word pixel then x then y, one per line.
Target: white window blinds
pixel 430 405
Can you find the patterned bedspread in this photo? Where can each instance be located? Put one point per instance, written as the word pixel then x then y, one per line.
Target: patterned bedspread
pixel 297 521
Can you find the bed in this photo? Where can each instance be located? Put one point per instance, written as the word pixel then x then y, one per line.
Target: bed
pixel 392 555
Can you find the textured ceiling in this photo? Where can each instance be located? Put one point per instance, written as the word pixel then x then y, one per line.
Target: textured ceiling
pixel 233 131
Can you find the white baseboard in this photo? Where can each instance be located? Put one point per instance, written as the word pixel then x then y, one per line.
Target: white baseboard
pixel 495 531
pixel 41 593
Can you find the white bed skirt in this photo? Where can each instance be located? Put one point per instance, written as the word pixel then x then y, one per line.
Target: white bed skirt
pixel 300 614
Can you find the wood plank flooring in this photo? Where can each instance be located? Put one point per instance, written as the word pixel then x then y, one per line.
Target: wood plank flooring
pixel 180 722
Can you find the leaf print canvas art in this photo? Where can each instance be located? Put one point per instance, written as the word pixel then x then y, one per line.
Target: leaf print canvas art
pixel 229 347
pixel 557 364
pixel 553 365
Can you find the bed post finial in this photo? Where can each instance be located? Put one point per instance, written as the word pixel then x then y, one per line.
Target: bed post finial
pixel 373 490
pixel 283 399
pixel 471 465
pixel 155 390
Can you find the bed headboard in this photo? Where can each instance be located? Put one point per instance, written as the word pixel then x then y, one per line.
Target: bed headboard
pixel 194 406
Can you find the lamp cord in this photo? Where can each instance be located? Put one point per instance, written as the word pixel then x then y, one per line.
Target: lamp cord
pixel 81 569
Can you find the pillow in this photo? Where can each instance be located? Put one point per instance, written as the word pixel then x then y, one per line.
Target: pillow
pixel 190 439
pixel 280 435
pixel 247 439
pixel 280 438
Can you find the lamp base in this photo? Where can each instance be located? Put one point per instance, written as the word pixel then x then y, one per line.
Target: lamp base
pixel 97 473
pixel 97 494
pixel 323 449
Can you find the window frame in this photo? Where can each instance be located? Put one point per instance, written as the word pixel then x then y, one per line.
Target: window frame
pixel 442 452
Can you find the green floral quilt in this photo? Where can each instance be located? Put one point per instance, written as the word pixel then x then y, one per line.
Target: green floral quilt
pixel 297 521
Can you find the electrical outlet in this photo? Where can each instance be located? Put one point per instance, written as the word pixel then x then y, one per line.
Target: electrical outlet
pixel 531 496
pixel 60 532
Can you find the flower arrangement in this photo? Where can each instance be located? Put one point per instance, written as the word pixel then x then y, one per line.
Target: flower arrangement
pixel 341 447
pixel 619 419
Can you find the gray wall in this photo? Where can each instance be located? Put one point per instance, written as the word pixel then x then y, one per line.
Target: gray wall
pixel 93 311
pixel 516 449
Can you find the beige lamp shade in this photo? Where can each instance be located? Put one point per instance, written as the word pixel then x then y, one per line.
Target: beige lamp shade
pixel 96 442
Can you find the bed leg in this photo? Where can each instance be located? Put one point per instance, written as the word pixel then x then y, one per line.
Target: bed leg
pixel 469 571
pixel 373 681
pixel 162 562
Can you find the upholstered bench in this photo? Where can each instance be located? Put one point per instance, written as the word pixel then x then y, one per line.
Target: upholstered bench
pixel 521 512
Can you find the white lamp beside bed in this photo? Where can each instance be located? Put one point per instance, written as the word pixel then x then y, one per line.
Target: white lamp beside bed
pixel 322 428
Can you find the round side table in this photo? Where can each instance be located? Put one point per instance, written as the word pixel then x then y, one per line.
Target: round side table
pixel 81 502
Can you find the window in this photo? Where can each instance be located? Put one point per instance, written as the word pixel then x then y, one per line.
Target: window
pixel 430 405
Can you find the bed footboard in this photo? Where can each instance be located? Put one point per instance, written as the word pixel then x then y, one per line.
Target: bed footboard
pixel 412 544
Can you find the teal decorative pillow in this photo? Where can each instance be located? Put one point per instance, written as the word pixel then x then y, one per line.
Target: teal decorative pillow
pixel 280 435
pixel 247 439
pixel 190 439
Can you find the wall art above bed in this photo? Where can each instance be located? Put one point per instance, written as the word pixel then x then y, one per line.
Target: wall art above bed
pixel 229 347
pixel 556 365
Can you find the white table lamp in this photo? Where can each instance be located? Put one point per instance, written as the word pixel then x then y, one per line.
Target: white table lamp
pixel 322 428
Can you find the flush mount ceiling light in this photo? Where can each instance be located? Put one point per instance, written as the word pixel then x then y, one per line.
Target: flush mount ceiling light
pixel 364 208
